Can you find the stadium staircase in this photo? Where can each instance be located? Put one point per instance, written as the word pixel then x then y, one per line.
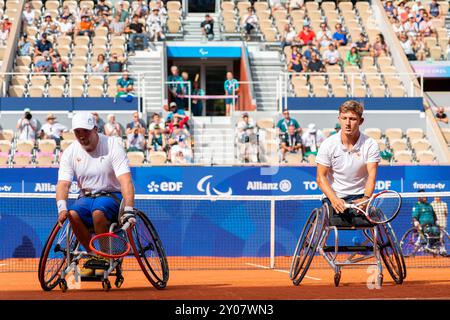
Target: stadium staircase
pixel 192 30
pixel 266 67
pixel 149 63
pixel 214 140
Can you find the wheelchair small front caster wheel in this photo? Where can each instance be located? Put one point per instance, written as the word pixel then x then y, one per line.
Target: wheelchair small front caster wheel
pixel 380 280
pixel 63 285
pixel 337 278
pixel 119 281
pixel 106 285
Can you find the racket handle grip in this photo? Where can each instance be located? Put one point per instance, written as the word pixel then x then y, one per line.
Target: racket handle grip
pixel 349 205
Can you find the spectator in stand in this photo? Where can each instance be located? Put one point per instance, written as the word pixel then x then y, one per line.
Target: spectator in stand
pixel 291 142
pixel 197 104
pixel 114 64
pixel 324 35
pixel 310 49
pixel 27 126
pixel 379 47
pixel 403 17
pixel 175 86
pixel 315 65
pixel 41 46
pixel 420 48
pixel 4 35
pixel 249 22
pixel 176 116
pixel 100 7
pixel 408 47
pixel 187 88
pixel 100 66
pixel 352 57
pixel 140 8
pixel 416 6
pixel 68 15
pixel 112 127
pixel 312 139
pixel 297 65
pixel 65 27
pixel 295 5
pixel 363 45
pixel 157 140
pixel 7 23
pixel 411 27
pixel 331 56
pixel 85 27
pixel 247 139
pixel 117 27
pixel 397 26
pixel 103 19
pixel 181 153
pixel 99 122
pixel 295 51
pixel 207 27
pixel 421 15
pixel 125 85
pixel 426 26
pixel 156 120
pixel 340 36
pixel 24 46
pixel 28 16
pixel 52 129
pixel 124 15
pixel 49 26
pixel 288 36
pixel 284 123
pixel 390 9
pixel 135 140
pixel 43 65
pixel 154 26
pixel 441 117
pixel 136 123
pixel 136 30
pixel 231 86
pixel 306 35
pixel 178 132
pixel 434 9
pixel 58 65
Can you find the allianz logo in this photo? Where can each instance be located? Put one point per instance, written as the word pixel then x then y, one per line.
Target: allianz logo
pixel 5 188
pixel 284 186
pixel 164 186
pixel 49 187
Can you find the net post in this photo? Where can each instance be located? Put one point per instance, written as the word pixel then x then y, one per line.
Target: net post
pixel 272 233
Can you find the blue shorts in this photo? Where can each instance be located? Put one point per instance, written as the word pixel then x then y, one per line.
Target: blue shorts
pixel 85 206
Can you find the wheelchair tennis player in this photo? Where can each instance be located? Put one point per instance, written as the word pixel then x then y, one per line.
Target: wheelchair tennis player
pixel 347 163
pixel 101 167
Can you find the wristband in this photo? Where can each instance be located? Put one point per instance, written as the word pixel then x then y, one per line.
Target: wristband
pixel 128 208
pixel 62 205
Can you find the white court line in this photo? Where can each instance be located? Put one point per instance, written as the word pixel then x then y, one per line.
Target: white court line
pixel 278 270
pixel 3 264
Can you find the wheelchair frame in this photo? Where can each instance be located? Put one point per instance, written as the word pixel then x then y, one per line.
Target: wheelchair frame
pixel 317 243
pixel 419 247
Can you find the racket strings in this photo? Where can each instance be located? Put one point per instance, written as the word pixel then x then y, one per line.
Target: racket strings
pixel 113 245
pixel 383 208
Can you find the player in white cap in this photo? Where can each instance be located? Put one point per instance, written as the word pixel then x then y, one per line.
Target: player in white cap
pixel 101 167
pixel 347 162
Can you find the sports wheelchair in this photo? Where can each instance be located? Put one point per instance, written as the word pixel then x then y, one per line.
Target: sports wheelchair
pixel 62 255
pixel 380 243
pixel 416 242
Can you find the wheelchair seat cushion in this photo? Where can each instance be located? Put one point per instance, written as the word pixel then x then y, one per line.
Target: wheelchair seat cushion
pixel 349 219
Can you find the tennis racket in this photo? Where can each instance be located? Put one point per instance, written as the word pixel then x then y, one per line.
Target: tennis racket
pixel 381 208
pixel 111 245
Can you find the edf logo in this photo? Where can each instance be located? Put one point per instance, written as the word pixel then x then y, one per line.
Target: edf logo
pixel 165 186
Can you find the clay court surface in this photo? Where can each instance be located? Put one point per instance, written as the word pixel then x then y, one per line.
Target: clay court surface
pixel 239 284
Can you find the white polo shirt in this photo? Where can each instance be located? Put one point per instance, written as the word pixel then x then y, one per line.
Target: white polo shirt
pixel 98 170
pixel 348 174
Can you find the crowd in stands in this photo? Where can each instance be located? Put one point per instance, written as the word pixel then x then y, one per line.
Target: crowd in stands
pixel 161 141
pixel 285 141
pixel 420 27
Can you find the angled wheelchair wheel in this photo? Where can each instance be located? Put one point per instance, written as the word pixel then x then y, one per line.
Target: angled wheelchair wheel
pixel 54 255
pixel 446 243
pixel 410 242
pixel 306 246
pixel 149 251
pixel 391 253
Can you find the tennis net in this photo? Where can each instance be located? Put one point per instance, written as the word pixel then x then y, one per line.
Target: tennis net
pixel 199 232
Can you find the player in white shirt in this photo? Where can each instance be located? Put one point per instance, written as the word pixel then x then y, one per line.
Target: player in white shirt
pixel 347 162
pixel 101 167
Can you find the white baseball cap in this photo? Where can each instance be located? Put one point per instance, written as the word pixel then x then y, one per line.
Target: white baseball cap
pixel 312 127
pixel 83 120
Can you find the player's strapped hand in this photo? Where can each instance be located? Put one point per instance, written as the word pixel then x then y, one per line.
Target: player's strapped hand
pixel 128 216
pixel 381 208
